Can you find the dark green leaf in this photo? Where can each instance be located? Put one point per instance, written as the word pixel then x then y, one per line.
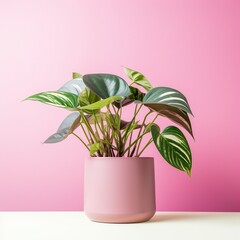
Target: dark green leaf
pixel 174 114
pixel 106 85
pixel 173 147
pixel 136 94
pixel 168 96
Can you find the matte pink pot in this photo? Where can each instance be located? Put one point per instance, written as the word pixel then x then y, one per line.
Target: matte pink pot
pixel 119 189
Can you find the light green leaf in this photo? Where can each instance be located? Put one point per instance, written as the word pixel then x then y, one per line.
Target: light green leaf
pixel 76 75
pixel 99 116
pixel 94 148
pixel 58 99
pixel 174 147
pixel 69 124
pixel 138 78
pixel 88 97
pixel 106 85
pixel 100 104
pixel 168 96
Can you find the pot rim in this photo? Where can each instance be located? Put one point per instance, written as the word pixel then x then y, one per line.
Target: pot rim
pixel 120 157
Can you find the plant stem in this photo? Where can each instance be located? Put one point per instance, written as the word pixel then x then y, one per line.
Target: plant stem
pixel 130 140
pixel 81 140
pixel 139 144
pixel 90 130
pixel 134 142
pixel 121 146
pixel 140 131
pixel 133 119
pixel 89 142
pixel 148 143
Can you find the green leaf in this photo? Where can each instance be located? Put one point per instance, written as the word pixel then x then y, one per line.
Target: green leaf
pixel 138 78
pixel 113 120
pixel 69 124
pixel 176 115
pixel 168 96
pixel 58 99
pixel 88 97
pixel 149 126
pixel 136 94
pixel 129 128
pixel 76 75
pixel 124 124
pixel 173 147
pixel 94 148
pixel 75 86
pixel 100 104
pixel 99 116
pixel 106 85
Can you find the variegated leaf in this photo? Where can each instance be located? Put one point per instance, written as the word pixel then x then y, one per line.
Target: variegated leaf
pixel 168 96
pixel 174 114
pixel 60 99
pixel 69 124
pixel 173 146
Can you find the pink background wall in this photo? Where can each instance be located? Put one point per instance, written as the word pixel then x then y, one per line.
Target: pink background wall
pixel 189 45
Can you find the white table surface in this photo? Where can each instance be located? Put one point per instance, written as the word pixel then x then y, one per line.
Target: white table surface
pixel 75 225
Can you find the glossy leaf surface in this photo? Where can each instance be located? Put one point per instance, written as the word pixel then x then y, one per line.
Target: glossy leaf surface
pixel 58 99
pixel 69 124
pixel 173 146
pixel 168 96
pixel 176 115
pixel 106 85
pixel 75 86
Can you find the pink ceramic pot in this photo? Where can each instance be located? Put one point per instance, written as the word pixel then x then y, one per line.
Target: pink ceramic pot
pixel 119 189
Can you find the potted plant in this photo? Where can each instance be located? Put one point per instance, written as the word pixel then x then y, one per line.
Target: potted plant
pixel 118 182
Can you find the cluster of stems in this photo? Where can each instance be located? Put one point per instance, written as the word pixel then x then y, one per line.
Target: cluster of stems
pixel 107 136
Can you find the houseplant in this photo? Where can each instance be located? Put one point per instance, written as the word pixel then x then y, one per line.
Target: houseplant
pixel 119 183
